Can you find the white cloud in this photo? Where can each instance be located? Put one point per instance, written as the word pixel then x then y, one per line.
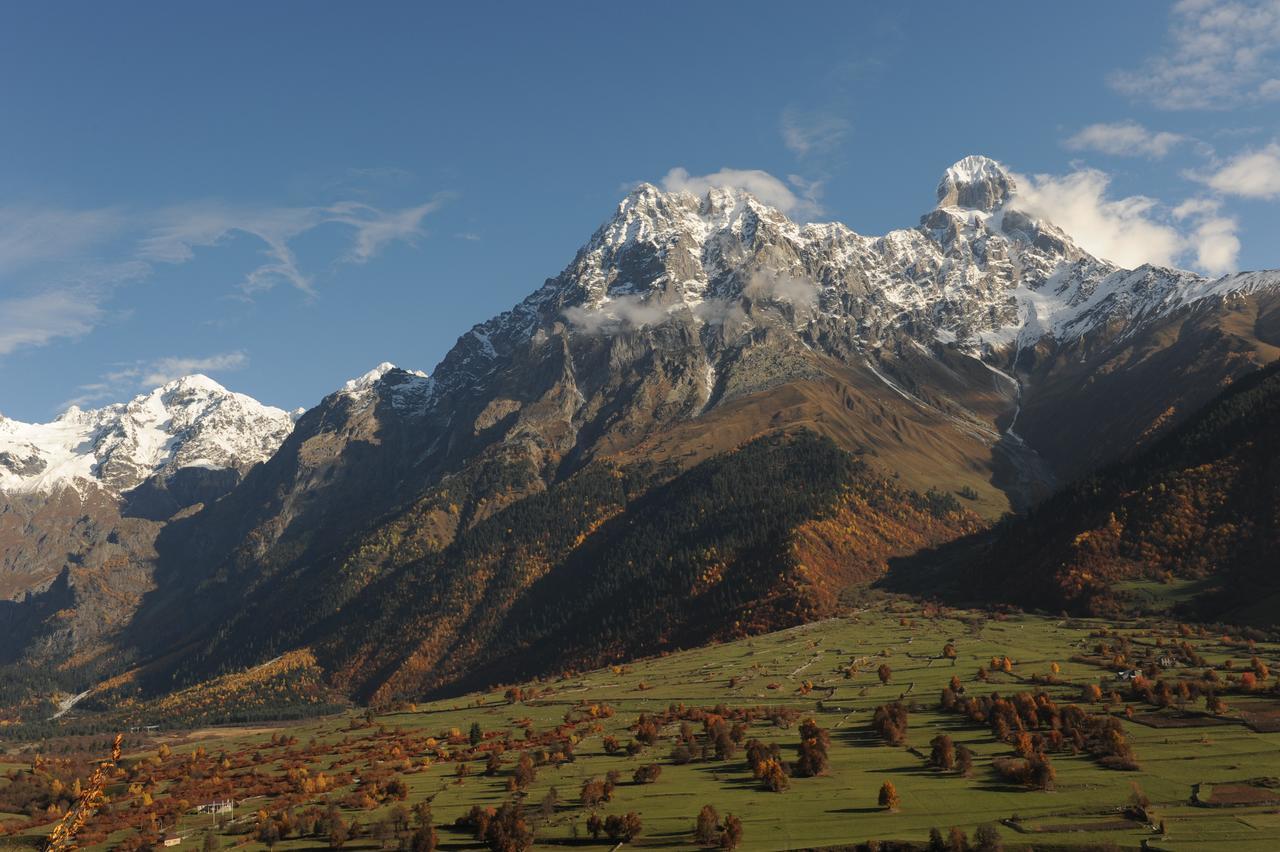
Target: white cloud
pixel 616 313
pixel 800 293
pixel 1125 139
pixel 55 288
pixel 1217 246
pixel 762 287
pixel 723 312
pixel 1120 230
pixel 1133 230
pixel 636 311
pixel 164 370
pixel 1196 207
pixel 87 395
pixel 1253 174
pixel 1221 53
pixel 805 134
pixel 1213 238
pixel 761 184
pixel 810 205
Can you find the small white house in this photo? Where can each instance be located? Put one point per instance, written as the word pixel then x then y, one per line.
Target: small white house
pixel 222 806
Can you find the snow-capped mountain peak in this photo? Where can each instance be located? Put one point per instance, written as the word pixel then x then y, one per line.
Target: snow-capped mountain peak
pixel 976 183
pixel 189 422
pixel 407 390
pixel 977 270
pixel 369 379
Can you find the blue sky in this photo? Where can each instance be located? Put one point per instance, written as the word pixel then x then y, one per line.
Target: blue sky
pixel 283 195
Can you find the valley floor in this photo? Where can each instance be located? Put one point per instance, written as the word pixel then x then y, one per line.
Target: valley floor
pixel 419 752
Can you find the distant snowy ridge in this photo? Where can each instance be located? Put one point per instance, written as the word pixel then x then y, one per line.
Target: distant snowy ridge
pixel 189 422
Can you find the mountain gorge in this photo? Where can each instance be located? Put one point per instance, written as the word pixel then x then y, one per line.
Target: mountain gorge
pixel 711 421
pixel 1193 519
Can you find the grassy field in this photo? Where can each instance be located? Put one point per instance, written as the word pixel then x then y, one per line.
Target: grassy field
pixel 805 668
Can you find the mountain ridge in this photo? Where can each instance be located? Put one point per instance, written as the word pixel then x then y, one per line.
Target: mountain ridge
pixel 980 355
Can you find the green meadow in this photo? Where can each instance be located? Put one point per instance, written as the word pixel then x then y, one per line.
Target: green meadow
pixel 826 671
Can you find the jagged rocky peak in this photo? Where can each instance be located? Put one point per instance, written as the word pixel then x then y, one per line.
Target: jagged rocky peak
pixel 667 246
pixel 648 212
pixel 407 390
pixel 648 199
pixel 976 183
pixel 725 267
pixel 369 379
pixel 647 196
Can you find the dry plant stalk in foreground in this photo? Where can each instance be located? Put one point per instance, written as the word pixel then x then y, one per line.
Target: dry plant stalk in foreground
pixel 64 833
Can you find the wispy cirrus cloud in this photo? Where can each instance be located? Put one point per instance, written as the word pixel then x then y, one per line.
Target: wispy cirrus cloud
pixel 812 133
pixel 179 231
pixel 140 376
pixel 164 370
pixel 32 235
pixel 54 284
pixel 58 298
pixel 375 229
pixel 1124 139
pixel 184 229
pixel 38 319
pixel 814 137
pixel 1220 54
pixel 61 268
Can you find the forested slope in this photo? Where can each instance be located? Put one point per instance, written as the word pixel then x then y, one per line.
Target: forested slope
pixel 1202 504
pixel 615 562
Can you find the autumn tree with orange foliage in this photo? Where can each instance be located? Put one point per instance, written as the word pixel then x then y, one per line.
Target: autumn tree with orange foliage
pixel 888 798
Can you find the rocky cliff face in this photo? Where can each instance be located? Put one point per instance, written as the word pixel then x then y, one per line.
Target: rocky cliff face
pixel 981 352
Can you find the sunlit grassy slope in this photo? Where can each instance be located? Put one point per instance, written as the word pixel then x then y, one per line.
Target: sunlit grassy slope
pixel 839 807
